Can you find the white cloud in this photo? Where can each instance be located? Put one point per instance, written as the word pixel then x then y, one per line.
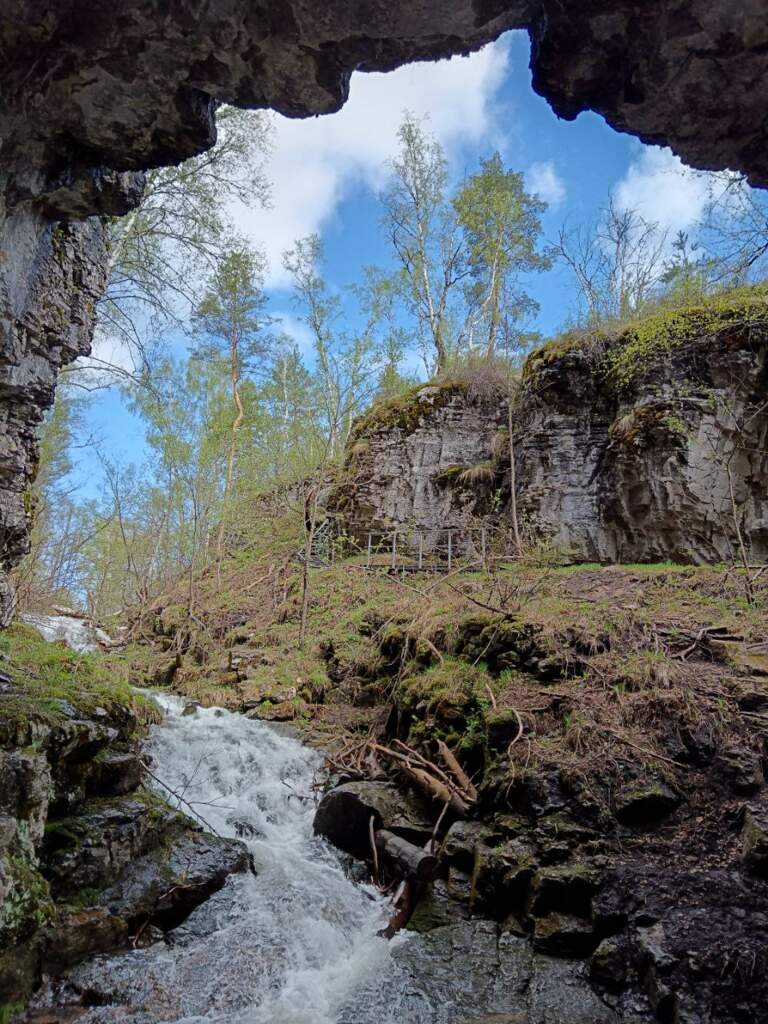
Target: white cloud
pixel 662 189
pixel 316 161
pixel 296 330
pixel 544 181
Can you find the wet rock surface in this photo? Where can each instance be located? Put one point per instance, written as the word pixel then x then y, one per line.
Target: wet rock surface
pixel 654 910
pixel 344 815
pixel 89 859
pixel 475 963
pixel 165 886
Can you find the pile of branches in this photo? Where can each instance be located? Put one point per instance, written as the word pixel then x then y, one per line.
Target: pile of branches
pixel 681 644
pixel 449 784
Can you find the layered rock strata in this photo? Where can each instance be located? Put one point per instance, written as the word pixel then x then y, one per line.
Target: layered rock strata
pixel 622 453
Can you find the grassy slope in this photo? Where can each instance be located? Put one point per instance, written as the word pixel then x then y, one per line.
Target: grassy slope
pixel 40 676
pixel 593 662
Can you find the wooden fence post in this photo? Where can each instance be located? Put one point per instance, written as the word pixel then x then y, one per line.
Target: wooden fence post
pixel 368 559
pixel 421 550
pixel 394 548
pixel 450 549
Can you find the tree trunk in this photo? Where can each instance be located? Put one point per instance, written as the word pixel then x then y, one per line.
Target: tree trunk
pixel 235 377
pixel 312 506
pixel 411 861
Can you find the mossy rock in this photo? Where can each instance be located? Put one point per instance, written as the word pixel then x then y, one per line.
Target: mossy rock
pixel 406 411
pixel 754 840
pixel 623 353
pixel 645 803
pixel 26 904
pixel 564 935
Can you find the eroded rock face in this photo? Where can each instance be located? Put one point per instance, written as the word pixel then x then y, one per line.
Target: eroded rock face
pixel 93 93
pixel 423 466
pixel 661 467
pixel 51 275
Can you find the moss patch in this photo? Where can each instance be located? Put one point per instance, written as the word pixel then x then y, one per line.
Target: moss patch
pixel 622 352
pixel 46 677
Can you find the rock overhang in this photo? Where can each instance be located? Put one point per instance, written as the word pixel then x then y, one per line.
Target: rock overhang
pixel 91 88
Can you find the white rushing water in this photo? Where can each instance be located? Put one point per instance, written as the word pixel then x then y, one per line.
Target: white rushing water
pixel 295 944
pixel 76 632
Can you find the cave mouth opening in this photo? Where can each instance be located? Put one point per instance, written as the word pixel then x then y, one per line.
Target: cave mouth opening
pixel 92 96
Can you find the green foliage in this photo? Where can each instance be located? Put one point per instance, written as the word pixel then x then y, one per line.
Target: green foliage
pixel 28 904
pixel 159 252
pixel 655 334
pixel 502 228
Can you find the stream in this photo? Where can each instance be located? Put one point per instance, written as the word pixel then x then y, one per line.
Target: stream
pixel 295 944
pixel 298 941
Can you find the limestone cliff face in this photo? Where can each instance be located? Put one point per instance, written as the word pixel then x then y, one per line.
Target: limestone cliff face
pixel 661 465
pixel 95 92
pixel 405 462
pixel 622 454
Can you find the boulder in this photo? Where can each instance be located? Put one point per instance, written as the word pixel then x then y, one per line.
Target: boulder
pixel 116 774
pixel 25 789
pixel 93 847
pixel 344 814
pixel 164 886
pixel 645 803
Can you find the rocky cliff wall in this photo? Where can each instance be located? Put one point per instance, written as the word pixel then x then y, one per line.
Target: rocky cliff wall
pixel 51 276
pixel 420 463
pixel 95 92
pixel 646 445
pixel 652 444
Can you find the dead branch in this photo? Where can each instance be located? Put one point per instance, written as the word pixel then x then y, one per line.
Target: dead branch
pixel 374 850
pixel 180 798
pixel 458 772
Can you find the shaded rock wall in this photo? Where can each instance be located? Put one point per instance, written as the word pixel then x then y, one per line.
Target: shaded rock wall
pixel 657 469
pixel 651 470
pixel 95 92
pixel 88 858
pixel 51 276
pixel 404 462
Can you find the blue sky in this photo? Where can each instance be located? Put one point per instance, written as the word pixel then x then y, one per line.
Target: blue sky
pixel 326 173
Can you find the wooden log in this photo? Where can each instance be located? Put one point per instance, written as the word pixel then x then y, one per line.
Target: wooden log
pixel 436 789
pixel 410 860
pixel 453 766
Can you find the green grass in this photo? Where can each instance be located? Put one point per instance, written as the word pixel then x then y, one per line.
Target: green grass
pixel 45 674
pixel 623 351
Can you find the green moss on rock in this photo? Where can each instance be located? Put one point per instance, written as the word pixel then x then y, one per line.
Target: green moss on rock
pixel 623 352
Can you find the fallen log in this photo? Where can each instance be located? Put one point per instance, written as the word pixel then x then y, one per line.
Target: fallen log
pixel 436 789
pixel 452 764
pixel 411 861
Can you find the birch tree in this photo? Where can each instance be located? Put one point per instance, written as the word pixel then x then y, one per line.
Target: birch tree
pixel 424 232
pixel 232 327
pixel 158 252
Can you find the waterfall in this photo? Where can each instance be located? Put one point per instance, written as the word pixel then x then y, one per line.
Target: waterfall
pixel 295 944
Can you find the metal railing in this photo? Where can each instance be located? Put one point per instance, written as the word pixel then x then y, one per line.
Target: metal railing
pixel 419 550
pixel 407 549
